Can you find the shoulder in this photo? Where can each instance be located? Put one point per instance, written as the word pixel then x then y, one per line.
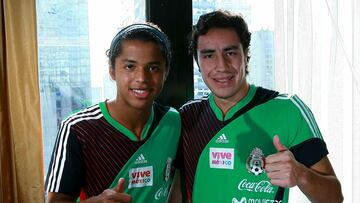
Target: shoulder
pixel 163 109
pixel 89 113
pixel 195 105
pixel 292 101
pixel 296 111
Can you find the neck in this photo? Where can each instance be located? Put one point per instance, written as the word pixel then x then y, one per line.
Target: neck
pixel 131 118
pixel 225 104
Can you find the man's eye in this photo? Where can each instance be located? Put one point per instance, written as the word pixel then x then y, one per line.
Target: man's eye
pixel 154 68
pixel 129 67
pixel 231 53
pixel 208 56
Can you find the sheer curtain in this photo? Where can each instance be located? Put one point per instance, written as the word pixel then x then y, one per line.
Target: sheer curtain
pixel 21 174
pixel 317 56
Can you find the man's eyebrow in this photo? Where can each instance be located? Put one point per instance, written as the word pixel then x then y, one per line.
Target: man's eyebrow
pixel 206 51
pixel 232 47
pixel 154 63
pixel 129 61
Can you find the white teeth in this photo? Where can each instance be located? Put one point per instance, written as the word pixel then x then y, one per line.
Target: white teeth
pixel 139 91
pixel 222 80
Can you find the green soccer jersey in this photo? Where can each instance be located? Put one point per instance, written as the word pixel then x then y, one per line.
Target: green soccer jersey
pixel 148 172
pixel 93 151
pixel 230 166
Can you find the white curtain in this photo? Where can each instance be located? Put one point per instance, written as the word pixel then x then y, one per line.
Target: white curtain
pixel 317 56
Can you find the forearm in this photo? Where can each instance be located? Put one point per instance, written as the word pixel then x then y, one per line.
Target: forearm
pixel 62 198
pixel 55 197
pixel 90 200
pixel 320 188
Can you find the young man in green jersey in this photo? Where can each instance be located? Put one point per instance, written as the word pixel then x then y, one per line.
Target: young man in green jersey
pixel 105 153
pixel 244 143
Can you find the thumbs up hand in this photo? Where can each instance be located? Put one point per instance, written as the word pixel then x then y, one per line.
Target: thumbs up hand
pixel 119 195
pixel 120 186
pixel 278 145
pixel 282 168
pixel 114 195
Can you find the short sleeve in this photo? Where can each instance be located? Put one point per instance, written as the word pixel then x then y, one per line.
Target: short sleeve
pixel 306 141
pixel 65 174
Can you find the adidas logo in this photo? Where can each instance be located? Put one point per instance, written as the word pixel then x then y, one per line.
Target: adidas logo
pixel 141 159
pixel 222 139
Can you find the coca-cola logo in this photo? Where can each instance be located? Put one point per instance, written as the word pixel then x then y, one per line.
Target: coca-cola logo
pixel 161 193
pixel 263 186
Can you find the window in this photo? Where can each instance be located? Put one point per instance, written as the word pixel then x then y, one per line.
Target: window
pixel 73 37
pixel 259 16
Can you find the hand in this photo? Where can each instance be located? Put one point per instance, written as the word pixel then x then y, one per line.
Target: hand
pixel 114 195
pixel 282 168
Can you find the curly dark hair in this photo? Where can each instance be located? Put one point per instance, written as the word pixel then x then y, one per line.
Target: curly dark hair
pixel 220 19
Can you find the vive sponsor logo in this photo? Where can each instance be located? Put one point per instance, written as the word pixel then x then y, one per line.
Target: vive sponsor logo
pixel 263 186
pixel 140 177
pixel 222 158
pixel 252 200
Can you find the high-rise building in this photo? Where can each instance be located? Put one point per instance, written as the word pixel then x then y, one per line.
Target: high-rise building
pixel 235 6
pixel 261 66
pixel 64 68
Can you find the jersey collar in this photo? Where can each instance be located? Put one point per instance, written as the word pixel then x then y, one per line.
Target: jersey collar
pixel 235 108
pixel 122 128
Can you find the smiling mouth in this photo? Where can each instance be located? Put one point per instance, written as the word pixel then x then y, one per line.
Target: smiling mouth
pixel 223 80
pixel 141 93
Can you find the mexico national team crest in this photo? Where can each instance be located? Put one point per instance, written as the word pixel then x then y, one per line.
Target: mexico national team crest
pixel 255 163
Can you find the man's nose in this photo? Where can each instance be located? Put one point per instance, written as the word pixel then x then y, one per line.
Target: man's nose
pixel 221 63
pixel 141 75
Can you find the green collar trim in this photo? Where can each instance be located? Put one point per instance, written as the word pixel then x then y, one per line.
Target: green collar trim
pixel 122 128
pixel 235 108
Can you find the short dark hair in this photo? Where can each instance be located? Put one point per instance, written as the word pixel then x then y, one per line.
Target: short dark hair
pixel 220 19
pixel 140 31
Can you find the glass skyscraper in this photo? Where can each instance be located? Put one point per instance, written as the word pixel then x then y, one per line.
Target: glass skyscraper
pixel 261 65
pixel 64 68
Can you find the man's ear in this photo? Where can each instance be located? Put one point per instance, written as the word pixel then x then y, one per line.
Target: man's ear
pixel 112 72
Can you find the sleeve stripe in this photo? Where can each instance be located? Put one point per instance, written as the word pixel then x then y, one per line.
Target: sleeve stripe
pixel 307 116
pixel 60 155
pixel 311 115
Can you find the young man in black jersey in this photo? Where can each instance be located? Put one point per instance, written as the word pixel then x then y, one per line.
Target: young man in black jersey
pixel 244 143
pixel 105 153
